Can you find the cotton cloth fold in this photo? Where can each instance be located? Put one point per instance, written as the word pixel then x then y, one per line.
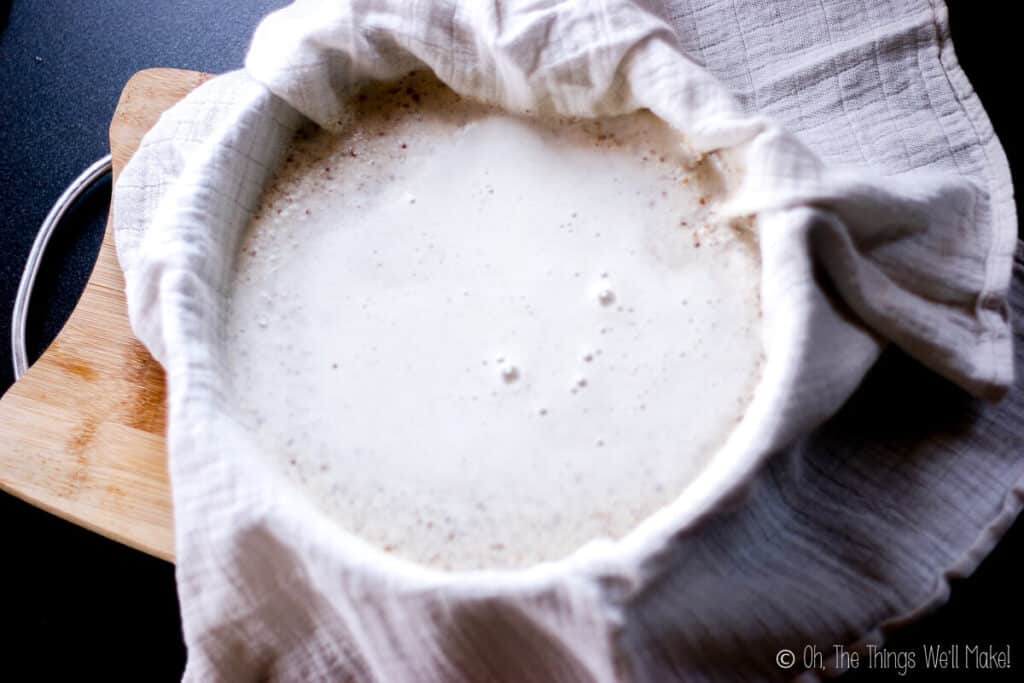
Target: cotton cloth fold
pixel 884 215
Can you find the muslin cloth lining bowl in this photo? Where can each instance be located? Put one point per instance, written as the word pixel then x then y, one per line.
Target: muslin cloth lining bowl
pixel 849 260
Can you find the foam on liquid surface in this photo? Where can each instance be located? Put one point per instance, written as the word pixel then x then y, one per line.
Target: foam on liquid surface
pixel 481 340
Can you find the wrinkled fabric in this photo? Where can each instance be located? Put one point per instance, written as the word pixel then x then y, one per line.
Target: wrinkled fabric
pixel 884 216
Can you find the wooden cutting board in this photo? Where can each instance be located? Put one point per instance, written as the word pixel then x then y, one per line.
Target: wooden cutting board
pixel 82 432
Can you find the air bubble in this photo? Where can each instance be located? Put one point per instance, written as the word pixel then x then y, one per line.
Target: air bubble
pixel 510 374
pixel 606 297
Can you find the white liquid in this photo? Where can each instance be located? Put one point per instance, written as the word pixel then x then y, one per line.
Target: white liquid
pixel 477 340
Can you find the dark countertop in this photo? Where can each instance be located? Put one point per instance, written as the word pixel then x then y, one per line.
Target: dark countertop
pixel 75 604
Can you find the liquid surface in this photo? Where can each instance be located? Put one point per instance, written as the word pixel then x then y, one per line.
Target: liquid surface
pixel 481 340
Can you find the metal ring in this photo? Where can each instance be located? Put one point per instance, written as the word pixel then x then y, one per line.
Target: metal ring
pixel 75 190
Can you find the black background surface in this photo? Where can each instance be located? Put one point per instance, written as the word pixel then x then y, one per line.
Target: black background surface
pixel 75 606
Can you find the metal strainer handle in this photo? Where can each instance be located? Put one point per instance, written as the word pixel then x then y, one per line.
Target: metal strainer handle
pixel 78 186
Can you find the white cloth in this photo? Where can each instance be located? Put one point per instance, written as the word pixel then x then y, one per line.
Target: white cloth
pixel 884 214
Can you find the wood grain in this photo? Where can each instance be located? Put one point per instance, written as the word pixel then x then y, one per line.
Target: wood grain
pixel 83 430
